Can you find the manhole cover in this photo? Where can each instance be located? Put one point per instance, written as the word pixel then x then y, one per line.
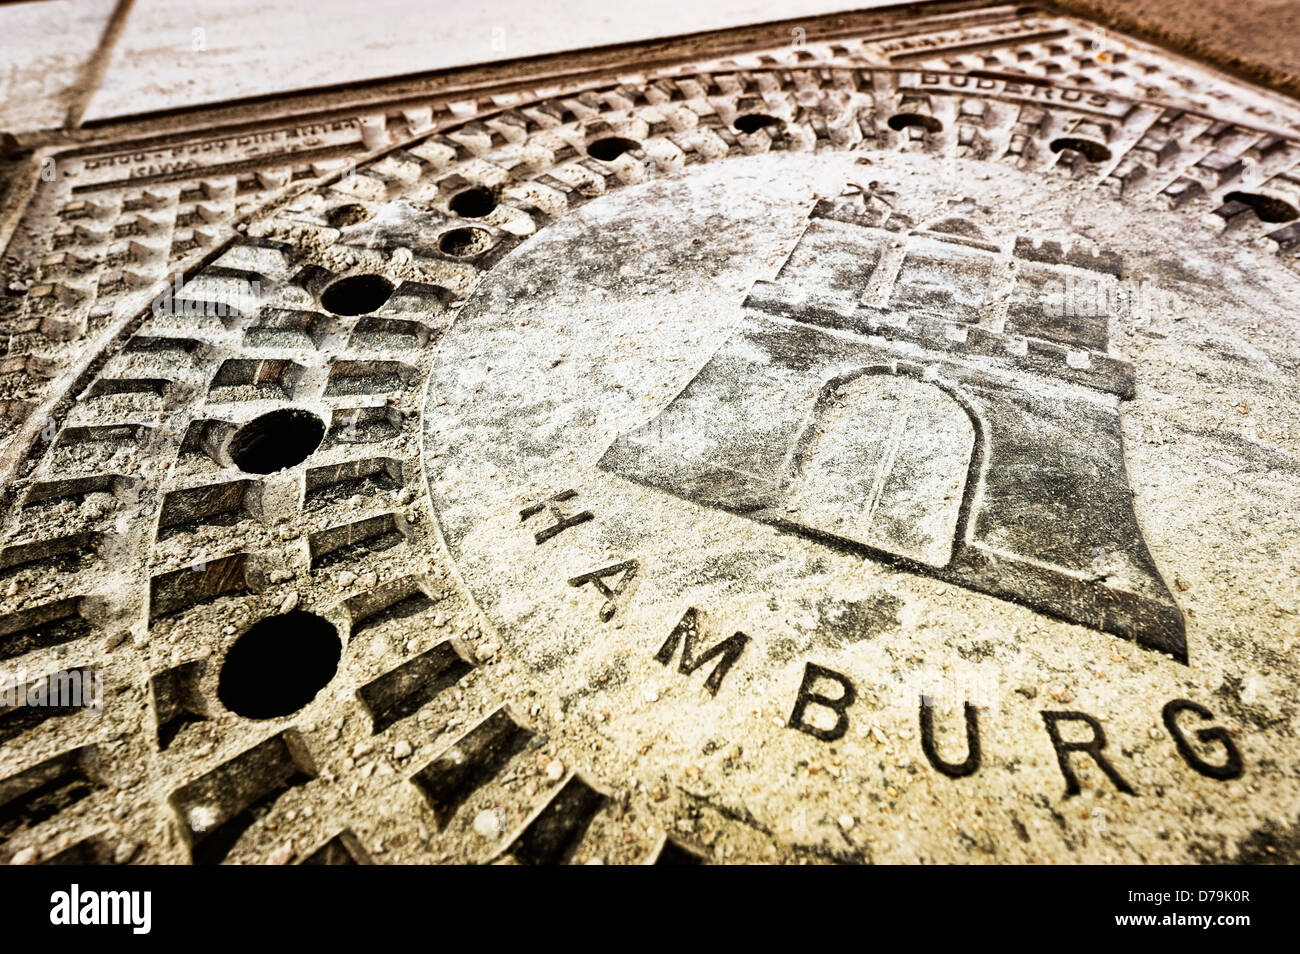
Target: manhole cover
pixel 872 448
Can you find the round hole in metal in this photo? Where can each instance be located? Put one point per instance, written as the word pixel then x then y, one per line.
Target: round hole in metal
pixel 356 294
pixel 279 665
pixel 276 441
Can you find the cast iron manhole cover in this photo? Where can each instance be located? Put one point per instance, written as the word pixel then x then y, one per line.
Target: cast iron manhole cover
pixel 869 448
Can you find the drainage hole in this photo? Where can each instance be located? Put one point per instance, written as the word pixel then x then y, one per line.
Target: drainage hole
pixel 473 203
pixel 356 294
pixel 1090 149
pixel 279 665
pixel 1267 208
pixel 277 440
pixel 465 242
pixel 611 147
pixel 351 214
pixel 753 122
pixel 900 121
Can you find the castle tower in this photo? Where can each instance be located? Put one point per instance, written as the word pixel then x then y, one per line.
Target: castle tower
pixel 932 398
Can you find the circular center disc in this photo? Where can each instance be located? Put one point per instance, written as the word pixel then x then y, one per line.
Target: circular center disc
pixel 802 484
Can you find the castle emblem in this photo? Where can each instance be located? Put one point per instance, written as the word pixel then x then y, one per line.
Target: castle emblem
pixel 920 396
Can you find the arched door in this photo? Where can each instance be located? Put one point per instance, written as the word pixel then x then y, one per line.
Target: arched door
pixel 884 463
